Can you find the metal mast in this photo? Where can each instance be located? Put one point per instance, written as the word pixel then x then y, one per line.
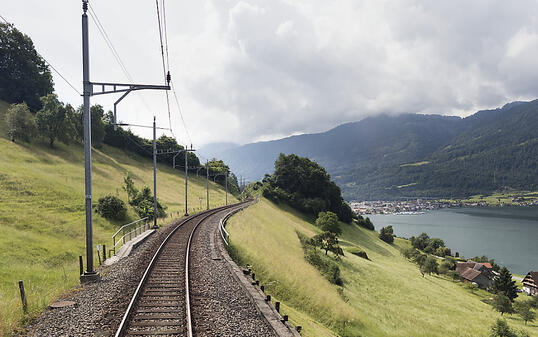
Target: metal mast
pixel 89 273
pixel 105 88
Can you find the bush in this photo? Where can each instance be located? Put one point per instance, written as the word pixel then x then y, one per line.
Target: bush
pixel 410 253
pixel 328 268
pixel 358 252
pixel 111 207
pixel 386 234
pixel 365 223
pixel 502 329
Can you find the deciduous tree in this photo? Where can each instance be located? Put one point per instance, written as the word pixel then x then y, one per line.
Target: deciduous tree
pixel 20 122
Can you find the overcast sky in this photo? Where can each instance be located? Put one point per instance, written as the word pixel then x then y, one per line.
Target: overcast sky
pixel 256 70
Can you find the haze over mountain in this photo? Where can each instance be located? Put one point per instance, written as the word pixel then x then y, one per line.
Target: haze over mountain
pixel 411 155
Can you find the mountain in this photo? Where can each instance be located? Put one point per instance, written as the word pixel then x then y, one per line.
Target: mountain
pixel 413 155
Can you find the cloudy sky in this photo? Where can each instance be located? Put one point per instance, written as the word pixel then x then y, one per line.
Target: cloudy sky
pixel 256 70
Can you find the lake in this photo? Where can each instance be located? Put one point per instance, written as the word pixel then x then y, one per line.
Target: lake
pixel 507 234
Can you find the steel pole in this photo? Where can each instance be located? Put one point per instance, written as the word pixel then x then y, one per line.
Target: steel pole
pixel 154 173
pixel 186 180
pixel 87 139
pixel 207 181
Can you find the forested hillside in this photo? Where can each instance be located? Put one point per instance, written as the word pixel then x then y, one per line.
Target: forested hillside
pixel 410 155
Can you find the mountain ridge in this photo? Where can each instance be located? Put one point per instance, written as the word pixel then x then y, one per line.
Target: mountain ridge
pixel 365 158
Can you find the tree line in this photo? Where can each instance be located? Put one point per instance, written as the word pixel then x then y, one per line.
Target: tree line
pixel 306 186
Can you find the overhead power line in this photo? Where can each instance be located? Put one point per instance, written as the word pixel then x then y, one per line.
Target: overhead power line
pixel 52 67
pixel 180 111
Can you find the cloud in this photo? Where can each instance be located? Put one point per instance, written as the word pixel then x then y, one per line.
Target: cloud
pixel 252 69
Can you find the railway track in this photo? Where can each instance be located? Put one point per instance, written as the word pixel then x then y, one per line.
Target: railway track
pixel 161 304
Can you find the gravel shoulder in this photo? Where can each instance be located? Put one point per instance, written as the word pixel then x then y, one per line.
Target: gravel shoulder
pixel 220 305
pixel 99 306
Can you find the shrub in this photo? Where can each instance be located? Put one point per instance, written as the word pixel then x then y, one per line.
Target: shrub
pixel 502 329
pixel 365 223
pixel 111 207
pixel 386 234
pixel 328 268
pixel 410 253
pixel 358 252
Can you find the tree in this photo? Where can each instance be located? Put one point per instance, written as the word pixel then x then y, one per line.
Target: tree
pixel 430 266
pixel 98 117
pixel 129 187
pixel 54 120
pixel 328 242
pixel 24 75
pixel 503 284
pixel 523 309
pixel 386 234
pixel 328 221
pixel 502 304
pixel 501 329
pixel 20 122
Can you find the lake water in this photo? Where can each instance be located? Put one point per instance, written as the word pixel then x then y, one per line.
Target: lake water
pixel 507 234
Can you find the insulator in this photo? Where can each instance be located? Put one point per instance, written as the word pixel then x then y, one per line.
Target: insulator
pixel 168 78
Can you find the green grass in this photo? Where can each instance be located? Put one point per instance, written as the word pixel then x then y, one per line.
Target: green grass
pixel 42 214
pixel 498 199
pixel 383 296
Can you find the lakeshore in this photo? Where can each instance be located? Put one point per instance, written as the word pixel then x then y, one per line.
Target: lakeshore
pixel 506 234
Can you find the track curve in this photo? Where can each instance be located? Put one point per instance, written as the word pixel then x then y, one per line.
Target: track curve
pixel 160 305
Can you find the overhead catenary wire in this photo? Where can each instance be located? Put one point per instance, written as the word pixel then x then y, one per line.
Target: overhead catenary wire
pixel 50 65
pixel 109 43
pixel 166 78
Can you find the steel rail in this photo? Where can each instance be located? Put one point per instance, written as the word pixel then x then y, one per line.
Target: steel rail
pixel 141 284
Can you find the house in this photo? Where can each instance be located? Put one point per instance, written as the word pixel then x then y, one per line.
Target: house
pixel 480 273
pixel 530 283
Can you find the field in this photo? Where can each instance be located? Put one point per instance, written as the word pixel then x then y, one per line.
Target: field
pixel 383 296
pixel 42 214
pixel 499 199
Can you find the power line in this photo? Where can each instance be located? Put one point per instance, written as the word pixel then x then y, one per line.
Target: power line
pixel 109 43
pixel 180 111
pixel 166 78
pixel 50 65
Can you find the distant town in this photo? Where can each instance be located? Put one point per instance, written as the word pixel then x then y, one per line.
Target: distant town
pixel 419 206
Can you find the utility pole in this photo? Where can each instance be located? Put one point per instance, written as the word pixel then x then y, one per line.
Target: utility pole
pixel 88 91
pixel 187 150
pixel 89 274
pixel 226 179
pixel 207 181
pixel 154 173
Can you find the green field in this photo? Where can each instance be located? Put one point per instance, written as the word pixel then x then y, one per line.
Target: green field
pixel 383 296
pixel 499 199
pixel 42 214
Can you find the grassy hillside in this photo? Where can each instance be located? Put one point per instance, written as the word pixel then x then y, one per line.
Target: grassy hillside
pixel 383 296
pixel 42 213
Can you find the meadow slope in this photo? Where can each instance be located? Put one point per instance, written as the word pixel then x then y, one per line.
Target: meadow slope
pixel 383 296
pixel 42 213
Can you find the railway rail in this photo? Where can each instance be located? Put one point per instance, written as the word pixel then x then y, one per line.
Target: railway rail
pixel 161 304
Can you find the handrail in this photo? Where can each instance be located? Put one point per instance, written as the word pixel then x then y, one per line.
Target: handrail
pixel 128 225
pixel 130 233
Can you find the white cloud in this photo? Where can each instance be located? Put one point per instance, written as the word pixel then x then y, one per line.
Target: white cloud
pixel 253 69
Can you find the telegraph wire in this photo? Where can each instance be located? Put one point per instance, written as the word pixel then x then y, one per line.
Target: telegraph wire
pixel 50 65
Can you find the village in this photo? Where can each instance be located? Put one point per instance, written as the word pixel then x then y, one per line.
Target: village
pixel 419 206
